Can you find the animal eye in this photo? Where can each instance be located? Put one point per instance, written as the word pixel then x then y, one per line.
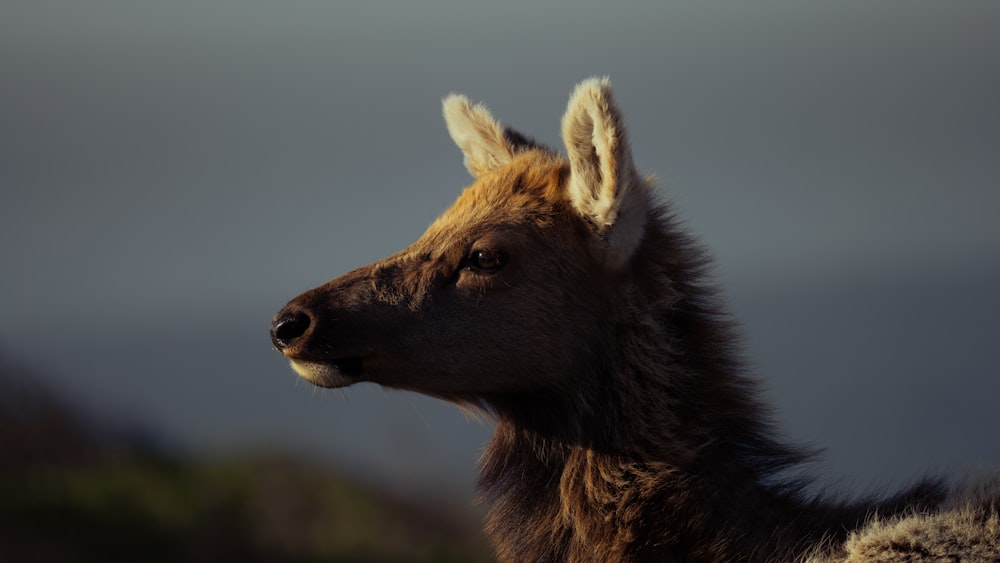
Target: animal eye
pixel 487 259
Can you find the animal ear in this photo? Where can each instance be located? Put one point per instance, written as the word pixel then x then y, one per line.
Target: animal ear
pixel 483 141
pixel 604 186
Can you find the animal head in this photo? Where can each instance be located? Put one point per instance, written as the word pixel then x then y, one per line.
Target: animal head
pixel 508 290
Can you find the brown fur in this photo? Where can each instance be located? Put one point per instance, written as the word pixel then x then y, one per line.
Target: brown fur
pixel 627 428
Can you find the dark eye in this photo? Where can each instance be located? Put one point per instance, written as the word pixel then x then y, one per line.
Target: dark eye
pixel 488 260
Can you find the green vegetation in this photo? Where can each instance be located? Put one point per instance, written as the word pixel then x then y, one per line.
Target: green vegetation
pixel 67 496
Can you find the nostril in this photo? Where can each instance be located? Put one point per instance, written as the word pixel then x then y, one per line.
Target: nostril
pixel 287 328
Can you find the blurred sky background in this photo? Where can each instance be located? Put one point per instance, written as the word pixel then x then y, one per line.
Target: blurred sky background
pixel 172 173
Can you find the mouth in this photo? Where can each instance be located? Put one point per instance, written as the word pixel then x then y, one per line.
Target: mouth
pixel 330 374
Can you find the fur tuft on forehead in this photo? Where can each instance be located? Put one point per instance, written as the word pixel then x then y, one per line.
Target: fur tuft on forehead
pixel 529 188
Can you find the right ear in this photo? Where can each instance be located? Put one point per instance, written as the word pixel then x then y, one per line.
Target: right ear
pixel 604 186
pixel 481 137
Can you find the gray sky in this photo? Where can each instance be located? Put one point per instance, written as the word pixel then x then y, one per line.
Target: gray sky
pixel 173 173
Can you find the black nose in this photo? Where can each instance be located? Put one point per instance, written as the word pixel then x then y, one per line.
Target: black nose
pixel 287 327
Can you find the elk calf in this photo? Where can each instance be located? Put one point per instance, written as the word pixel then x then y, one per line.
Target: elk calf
pixel 558 296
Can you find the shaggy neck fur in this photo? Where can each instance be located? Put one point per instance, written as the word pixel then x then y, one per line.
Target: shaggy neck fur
pixel 667 456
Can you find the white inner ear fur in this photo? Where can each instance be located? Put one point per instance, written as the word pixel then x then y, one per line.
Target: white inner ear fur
pixel 604 186
pixel 477 133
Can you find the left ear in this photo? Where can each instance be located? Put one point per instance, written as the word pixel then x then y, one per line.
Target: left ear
pixel 604 187
pixel 481 137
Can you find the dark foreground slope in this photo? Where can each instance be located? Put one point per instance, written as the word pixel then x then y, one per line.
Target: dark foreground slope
pixel 67 494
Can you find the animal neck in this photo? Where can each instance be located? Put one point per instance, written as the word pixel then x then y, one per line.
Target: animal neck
pixel 555 497
pixel 661 451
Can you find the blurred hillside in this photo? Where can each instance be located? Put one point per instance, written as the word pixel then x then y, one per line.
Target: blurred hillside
pixel 72 493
